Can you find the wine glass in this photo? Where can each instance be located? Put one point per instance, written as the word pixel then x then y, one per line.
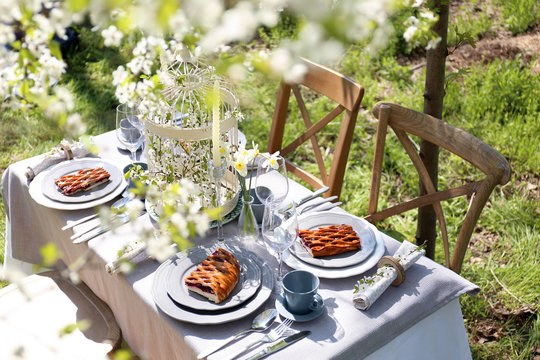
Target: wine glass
pixel 279 229
pixel 270 181
pixel 129 128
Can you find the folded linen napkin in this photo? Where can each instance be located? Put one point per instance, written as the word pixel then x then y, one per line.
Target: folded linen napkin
pixel 64 151
pixel 135 253
pixel 368 289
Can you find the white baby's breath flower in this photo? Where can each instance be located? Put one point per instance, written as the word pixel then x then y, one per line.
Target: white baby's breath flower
pixel 428 15
pixel 202 224
pixel 409 33
pixel 134 208
pixel 432 44
pixel 75 125
pixel 159 247
pixel 65 96
pixel 112 36
pixel 181 224
pixel 119 75
pixel 7 36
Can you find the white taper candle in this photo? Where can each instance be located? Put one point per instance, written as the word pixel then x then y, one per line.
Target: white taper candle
pixel 216 160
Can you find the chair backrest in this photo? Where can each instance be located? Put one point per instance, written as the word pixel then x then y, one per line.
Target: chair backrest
pixel 343 91
pixel 405 121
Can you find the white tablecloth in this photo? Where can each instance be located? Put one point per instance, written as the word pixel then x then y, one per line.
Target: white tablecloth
pixel 420 319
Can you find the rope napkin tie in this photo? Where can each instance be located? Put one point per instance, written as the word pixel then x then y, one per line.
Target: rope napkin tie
pixel 391 272
pixel 63 151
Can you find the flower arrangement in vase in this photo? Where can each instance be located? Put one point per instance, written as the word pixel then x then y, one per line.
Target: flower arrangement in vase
pixel 241 160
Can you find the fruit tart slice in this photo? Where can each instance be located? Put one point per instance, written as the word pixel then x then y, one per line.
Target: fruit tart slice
pixel 216 277
pixel 330 240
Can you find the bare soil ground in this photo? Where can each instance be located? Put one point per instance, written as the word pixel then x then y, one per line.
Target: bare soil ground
pixel 504 46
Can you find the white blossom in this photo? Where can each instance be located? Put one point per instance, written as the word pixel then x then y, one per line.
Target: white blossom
pixel 112 36
pixel 119 75
pixel 159 247
pixel 7 35
pixel 409 33
pixel 432 44
pixel 75 125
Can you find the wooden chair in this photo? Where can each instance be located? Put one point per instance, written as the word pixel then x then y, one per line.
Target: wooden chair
pixel 405 121
pixel 347 94
pixel 35 313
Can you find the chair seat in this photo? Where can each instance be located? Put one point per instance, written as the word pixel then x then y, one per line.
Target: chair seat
pixel 33 318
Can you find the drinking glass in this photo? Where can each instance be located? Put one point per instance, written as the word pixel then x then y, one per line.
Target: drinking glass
pixel 129 128
pixel 270 181
pixel 279 230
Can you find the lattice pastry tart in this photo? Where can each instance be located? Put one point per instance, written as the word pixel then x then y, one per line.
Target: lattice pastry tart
pixel 215 277
pixel 330 240
pixel 83 180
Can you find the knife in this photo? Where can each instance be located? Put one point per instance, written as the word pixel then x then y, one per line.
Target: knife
pixel 280 344
pixel 307 198
pixel 78 222
pixel 98 231
pixel 321 207
pixel 313 196
pixel 94 225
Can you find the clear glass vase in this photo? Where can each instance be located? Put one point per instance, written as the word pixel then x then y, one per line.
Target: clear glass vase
pixel 248 230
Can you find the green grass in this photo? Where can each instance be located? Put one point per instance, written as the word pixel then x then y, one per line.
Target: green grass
pixel 498 102
pixel 519 15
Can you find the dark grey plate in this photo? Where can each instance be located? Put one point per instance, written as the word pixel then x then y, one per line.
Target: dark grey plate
pixel 166 304
pixel 248 282
pixel 49 188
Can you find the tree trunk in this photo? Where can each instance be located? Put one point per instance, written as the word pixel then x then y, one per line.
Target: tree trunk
pixel 426 231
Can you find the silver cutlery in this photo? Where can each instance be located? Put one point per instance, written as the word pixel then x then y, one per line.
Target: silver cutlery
pixel 78 222
pixel 315 202
pixel 268 338
pixel 97 229
pixel 280 345
pixel 100 230
pixel 90 225
pixel 261 322
pixel 309 197
pixel 321 207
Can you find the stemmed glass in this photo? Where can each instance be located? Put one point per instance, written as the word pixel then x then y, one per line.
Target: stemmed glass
pixel 279 229
pixel 270 181
pixel 129 128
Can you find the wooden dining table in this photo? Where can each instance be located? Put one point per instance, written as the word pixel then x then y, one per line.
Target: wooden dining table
pixel 419 319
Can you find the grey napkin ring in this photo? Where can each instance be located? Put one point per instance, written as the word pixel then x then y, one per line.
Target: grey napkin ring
pixel 390 261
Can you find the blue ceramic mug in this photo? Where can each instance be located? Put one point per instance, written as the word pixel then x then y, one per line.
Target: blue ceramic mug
pixel 300 292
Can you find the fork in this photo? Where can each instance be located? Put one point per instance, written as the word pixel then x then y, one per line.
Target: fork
pixel 268 338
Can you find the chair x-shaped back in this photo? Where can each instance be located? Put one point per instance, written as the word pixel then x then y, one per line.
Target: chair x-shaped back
pixel 347 94
pixel 405 121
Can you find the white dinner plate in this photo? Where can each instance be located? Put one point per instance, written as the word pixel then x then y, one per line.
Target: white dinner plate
pixel 314 220
pixel 165 303
pixel 248 282
pixel 342 272
pixel 49 188
pixel 38 196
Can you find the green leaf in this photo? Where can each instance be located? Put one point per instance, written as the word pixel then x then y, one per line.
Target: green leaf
pixel 167 8
pixel 50 254
pixel 78 5
pixel 122 354
pixel 54 46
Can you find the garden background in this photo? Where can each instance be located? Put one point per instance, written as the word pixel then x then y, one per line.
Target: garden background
pixel 492 91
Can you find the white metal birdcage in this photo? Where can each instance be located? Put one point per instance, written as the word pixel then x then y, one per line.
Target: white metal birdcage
pixel 179 140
